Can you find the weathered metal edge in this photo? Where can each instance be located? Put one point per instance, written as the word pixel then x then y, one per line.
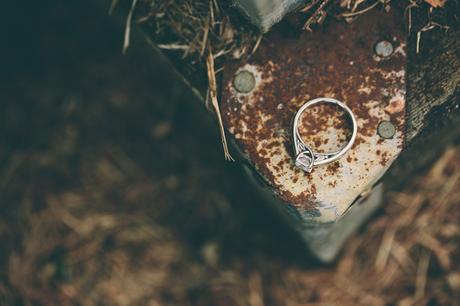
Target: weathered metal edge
pixel 265 14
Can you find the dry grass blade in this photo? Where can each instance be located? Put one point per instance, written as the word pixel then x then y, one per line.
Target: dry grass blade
pixel 421 279
pixel 402 256
pixel 256 45
pixel 428 27
pixel 441 251
pixel 367 9
pixel 438 169
pixel 128 26
pixel 385 249
pixel 173 47
pixel 113 4
pixel 215 103
pixel 205 40
pixel 317 16
pixel 309 6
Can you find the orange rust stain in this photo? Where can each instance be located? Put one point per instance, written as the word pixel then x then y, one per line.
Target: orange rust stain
pixel 307 67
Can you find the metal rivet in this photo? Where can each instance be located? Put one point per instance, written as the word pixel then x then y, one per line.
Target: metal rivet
pixel 384 48
pixel 244 81
pixel 386 129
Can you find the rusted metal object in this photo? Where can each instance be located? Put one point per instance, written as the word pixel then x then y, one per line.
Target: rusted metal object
pixel 338 62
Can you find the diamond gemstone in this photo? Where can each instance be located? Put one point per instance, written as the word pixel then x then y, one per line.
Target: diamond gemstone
pixel 304 161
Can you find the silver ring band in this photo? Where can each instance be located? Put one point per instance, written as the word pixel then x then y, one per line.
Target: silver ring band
pixel 305 157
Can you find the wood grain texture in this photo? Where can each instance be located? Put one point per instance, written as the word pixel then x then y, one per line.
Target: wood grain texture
pixel 433 77
pixel 433 111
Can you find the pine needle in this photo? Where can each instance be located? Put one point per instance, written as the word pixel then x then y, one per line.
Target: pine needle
pixel 113 4
pixel 128 27
pixel 367 9
pixel 316 16
pixel 422 276
pixel 213 94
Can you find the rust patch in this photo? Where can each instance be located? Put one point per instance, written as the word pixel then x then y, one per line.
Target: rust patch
pixel 316 122
pixel 339 62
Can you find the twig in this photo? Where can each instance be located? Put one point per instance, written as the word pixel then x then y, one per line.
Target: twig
pixel 173 46
pixel 361 11
pixel 256 45
pixel 309 6
pixel 128 26
pixel 356 4
pixel 315 15
pixel 204 43
pixel 429 26
pixel 221 53
pixel 215 103
pixel 211 13
pixel 412 4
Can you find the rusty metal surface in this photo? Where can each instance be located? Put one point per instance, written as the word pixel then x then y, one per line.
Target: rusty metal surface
pixel 338 61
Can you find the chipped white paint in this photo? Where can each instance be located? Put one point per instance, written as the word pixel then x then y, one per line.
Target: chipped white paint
pixel 350 179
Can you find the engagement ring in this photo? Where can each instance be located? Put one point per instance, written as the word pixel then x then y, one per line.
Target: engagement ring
pixel 305 157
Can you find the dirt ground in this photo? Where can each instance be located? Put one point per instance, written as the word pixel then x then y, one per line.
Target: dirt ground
pixel 113 191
